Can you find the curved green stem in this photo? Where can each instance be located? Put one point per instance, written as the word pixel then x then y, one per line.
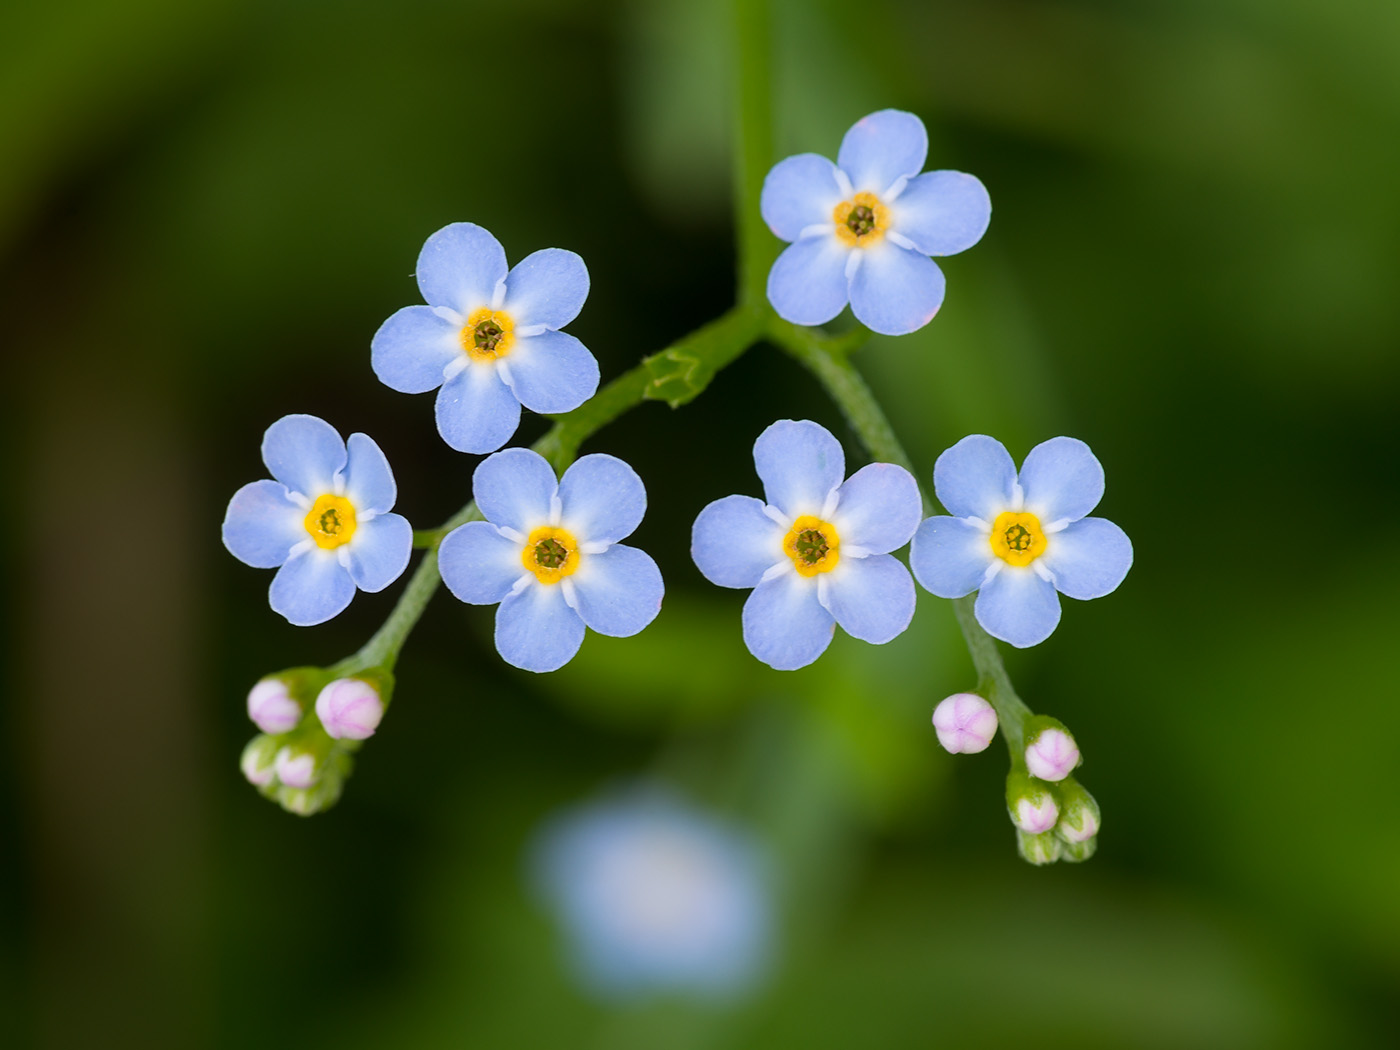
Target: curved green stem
pixel 828 358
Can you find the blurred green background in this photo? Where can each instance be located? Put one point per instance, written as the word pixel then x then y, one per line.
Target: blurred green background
pixel 207 209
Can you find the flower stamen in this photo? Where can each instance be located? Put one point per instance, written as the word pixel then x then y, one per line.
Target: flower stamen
pixel 331 521
pixel 550 553
pixel 861 221
pixel 1017 538
pixel 813 545
pixel 488 334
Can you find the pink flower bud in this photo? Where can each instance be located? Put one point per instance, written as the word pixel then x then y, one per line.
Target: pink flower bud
pixel 296 769
pixel 349 709
pixel 272 708
pixel 1052 754
pixel 965 723
pixel 1036 815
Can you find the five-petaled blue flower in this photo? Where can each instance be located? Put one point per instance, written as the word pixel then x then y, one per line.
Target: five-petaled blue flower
pixel 862 229
pixel 656 897
pixel 549 553
pixel 817 552
pixel 490 338
pixel 325 520
pixel 1016 540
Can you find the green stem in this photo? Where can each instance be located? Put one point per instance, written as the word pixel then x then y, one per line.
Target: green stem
pixel 827 357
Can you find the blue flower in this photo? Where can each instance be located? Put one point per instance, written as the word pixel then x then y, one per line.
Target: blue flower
pixel 548 552
pixel 817 552
pixel 490 338
pixel 655 896
pixel 862 229
pixel 1016 540
pixel 324 524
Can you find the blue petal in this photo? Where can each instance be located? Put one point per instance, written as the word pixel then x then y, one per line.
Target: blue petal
pixel 942 212
pixel 551 372
pixel 546 287
pixel 369 483
pixel 1019 607
pixel 379 551
pixel 311 588
pixel 799 464
pixel 602 498
pixel 536 630
pixel 975 478
pixel 800 191
pixel 411 349
pixel 476 411
pixel 950 556
pixel 619 591
pixel 1061 479
pixel 895 291
pixel 513 489
pixel 478 564
pixel 262 524
pixel 880 508
pixel 807 284
pixel 1089 558
pixel 304 453
pixel 882 148
pixel 460 266
pixel 784 624
pixel 872 598
pixel 734 543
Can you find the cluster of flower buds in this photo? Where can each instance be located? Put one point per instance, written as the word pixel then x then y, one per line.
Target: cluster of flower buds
pixel 1055 818
pixel 304 753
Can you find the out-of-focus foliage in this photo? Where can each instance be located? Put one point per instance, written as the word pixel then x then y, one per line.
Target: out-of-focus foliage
pixel 205 212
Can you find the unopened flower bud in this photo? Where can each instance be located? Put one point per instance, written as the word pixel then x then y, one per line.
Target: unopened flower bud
pixel 307 801
pixel 271 707
pixel 1074 852
pixel 1051 753
pixel 259 761
pixel 1039 849
pixel 1079 813
pixel 965 723
pixel 1031 803
pixel 296 768
pixel 350 708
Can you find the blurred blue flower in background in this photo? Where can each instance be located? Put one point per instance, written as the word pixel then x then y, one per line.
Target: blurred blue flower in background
pixel 656 896
pixel 324 524
pixel 862 229
pixel 489 338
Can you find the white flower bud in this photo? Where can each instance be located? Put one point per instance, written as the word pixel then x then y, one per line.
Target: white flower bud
pixel 349 709
pixel 271 707
pixel 1051 753
pixel 296 769
pixel 1038 849
pixel 258 761
pixel 965 723
pixel 1031 803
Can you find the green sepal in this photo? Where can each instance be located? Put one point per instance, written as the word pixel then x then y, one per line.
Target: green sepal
pixel 1076 806
pixel 1078 852
pixel 677 375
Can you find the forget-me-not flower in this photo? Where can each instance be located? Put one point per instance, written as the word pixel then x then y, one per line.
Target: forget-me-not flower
pixel 488 337
pixel 655 896
pixel 816 553
pixel 1018 539
pixel 548 552
pixel 324 523
pixel 862 229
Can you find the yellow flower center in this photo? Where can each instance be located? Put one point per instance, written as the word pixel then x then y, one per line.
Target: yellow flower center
pixel 331 521
pixel 550 553
pixel 813 545
pixel 488 334
pixel 862 220
pixel 1017 538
